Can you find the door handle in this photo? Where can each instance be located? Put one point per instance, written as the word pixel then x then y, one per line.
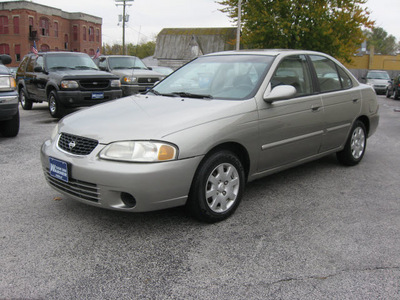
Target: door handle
pixel 315 107
pixel 356 100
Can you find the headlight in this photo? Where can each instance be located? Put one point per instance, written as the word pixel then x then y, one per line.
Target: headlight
pixel 115 83
pixel 7 83
pixel 129 80
pixel 139 151
pixel 69 84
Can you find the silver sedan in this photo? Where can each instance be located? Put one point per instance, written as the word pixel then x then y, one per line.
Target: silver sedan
pixel 198 136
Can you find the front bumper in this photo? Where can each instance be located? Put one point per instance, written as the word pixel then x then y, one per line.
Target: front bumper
pixel 106 184
pixel 135 88
pixel 85 98
pixel 8 105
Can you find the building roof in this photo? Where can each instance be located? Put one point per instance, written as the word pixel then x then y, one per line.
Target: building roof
pixel 188 43
pixel 47 10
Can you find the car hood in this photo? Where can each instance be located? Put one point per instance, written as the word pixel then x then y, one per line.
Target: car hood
pixel 378 81
pixel 77 74
pixel 136 72
pixel 145 117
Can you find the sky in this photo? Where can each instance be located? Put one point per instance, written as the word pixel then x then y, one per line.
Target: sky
pixel 148 17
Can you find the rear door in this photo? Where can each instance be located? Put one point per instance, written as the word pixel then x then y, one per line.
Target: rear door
pixel 342 102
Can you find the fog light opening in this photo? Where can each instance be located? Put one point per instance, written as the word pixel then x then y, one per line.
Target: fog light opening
pixel 128 200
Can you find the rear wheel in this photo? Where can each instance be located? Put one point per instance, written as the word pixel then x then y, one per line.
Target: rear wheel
pixel 217 187
pixel 25 102
pixel 10 128
pixel 55 107
pixel 355 146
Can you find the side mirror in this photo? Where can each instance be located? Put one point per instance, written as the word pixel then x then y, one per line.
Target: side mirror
pixel 5 59
pixel 280 92
pixel 38 69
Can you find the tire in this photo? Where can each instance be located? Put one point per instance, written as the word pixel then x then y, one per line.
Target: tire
pixel 356 144
pixel 387 93
pixel 26 104
pixel 217 187
pixel 10 128
pixel 55 107
pixel 395 94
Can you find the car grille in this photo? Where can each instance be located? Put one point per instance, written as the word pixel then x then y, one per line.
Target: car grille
pixel 76 145
pixel 81 189
pixel 100 84
pixel 148 80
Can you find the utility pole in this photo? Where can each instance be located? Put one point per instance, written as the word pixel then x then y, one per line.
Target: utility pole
pixel 125 19
pixel 239 25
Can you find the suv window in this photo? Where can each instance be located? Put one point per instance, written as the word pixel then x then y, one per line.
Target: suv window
pixel 31 64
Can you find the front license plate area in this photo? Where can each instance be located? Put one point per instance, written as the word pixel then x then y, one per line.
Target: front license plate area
pixel 58 169
pixel 97 95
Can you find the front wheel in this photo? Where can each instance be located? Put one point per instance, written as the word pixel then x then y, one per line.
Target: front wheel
pixel 55 107
pixel 396 94
pixel 387 93
pixel 217 187
pixel 25 102
pixel 10 128
pixel 354 148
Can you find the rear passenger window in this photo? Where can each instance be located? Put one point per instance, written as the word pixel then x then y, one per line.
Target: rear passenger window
pixel 328 77
pixel 294 71
pixel 346 81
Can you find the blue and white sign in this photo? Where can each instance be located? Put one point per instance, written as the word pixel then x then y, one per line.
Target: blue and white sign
pixel 58 169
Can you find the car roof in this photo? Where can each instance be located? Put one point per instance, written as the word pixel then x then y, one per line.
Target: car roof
pixel 269 52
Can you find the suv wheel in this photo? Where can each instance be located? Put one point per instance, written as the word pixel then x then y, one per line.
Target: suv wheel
pixel 396 95
pixel 10 128
pixel 55 107
pixel 25 102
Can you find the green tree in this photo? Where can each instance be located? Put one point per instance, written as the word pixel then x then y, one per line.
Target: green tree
pixel 331 26
pixel 142 50
pixel 383 42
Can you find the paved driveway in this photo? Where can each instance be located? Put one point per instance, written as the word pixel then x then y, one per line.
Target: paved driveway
pixel 319 231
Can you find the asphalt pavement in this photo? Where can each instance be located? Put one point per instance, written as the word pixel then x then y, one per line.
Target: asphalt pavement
pixel 318 231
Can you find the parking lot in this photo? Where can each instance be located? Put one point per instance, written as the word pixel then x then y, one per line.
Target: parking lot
pixel 318 231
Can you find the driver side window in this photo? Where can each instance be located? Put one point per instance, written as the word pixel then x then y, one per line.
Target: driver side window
pixel 294 71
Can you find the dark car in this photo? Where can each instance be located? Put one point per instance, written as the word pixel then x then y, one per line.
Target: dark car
pixel 134 75
pixel 9 113
pixel 394 88
pixel 64 80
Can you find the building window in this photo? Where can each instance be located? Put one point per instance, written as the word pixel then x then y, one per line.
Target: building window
pixel 97 35
pixel 75 33
pixel 84 33
pixel 66 42
pixel 17 50
pixel 3 25
pixel 91 34
pixel 4 49
pixel 44 26
pixel 56 29
pixel 16 25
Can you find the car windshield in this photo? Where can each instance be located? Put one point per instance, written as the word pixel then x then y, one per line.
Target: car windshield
pixel 378 75
pixel 126 63
pixel 230 77
pixel 66 61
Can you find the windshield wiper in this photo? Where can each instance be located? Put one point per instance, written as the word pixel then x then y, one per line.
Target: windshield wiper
pixel 190 95
pixel 84 68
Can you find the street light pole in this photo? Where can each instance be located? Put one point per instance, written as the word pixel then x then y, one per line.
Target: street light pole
pixel 239 25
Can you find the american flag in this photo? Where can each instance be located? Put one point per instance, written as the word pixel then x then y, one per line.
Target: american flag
pixel 34 49
pixel 97 54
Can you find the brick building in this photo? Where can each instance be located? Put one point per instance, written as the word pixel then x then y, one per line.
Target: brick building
pixel 23 22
